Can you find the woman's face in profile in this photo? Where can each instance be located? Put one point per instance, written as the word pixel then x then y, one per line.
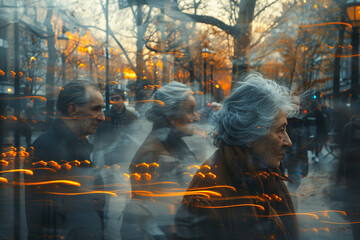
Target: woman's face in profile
pixel 270 149
pixel 188 116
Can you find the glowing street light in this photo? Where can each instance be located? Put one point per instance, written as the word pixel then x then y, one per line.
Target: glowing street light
pixel 90 49
pixel 205 52
pixel 63 41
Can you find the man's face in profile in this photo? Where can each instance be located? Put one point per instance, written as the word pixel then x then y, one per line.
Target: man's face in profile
pixel 90 115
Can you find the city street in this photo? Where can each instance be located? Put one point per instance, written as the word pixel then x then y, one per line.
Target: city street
pixel 317 194
pixel 319 208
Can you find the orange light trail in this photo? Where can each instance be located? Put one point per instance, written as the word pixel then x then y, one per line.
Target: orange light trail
pixel 290 214
pixel 45 168
pixel 344 56
pixel 240 197
pixel 191 175
pixel 147 176
pixel 26 171
pixel 42 163
pixel 339 223
pixel 212 175
pixel 84 193
pixel 147 165
pixel 193 166
pixel 218 186
pixel 66 182
pixel 313 214
pixel 325 24
pixel 327 211
pixel 157 183
pixel 175 194
pixel 161 103
pixel 38 97
pixel 3 180
pixel 76 163
pixel 206 166
pixel 236 205
pixel 4 163
pixel 136 175
pixel 200 174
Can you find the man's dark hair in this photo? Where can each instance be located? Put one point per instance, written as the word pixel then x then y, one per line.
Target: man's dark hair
pixel 73 92
pixel 117 91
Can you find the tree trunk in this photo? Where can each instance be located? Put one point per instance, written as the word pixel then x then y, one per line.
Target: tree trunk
pixel 139 44
pixel 337 60
pixel 242 39
pixel 50 70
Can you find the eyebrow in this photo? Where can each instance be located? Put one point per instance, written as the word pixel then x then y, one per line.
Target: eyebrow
pixel 284 124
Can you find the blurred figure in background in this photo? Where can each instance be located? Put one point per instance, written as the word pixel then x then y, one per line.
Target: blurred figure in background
pixel 207 112
pixel 245 197
pixel 111 137
pixel 296 160
pixel 318 130
pixel 349 168
pixel 159 166
pixel 27 124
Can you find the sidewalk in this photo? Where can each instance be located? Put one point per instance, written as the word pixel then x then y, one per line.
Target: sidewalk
pixel 315 196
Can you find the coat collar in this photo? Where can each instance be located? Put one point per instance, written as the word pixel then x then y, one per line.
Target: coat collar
pixel 68 136
pixel 243 174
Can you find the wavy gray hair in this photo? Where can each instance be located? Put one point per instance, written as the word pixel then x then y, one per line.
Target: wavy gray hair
pixel 249 112
pixel 171 97
pixel 74 91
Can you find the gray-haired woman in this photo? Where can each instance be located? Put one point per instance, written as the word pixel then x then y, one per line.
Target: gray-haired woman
pixel 247 197
pixel 159 165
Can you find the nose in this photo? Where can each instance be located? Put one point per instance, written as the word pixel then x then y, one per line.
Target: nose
pixel 195 117
pixel 101 116
pixel 287 140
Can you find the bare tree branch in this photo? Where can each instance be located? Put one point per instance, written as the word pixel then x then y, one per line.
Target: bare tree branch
pixel 263 9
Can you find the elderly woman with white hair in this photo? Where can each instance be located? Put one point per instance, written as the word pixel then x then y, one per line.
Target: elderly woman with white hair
pixel 246 196
pixel 159 165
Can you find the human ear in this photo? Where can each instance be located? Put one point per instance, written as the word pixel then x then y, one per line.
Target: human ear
pixel 171 121
pixel 72 110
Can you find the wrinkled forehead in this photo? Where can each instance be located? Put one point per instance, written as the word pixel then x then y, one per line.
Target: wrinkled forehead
pixel 280 120
pixel 95 95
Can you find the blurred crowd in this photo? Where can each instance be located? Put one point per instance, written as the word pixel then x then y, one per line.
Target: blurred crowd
pixel 176 169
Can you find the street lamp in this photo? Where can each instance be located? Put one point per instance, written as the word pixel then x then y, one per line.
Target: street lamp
pixel 155 61
pixel 212 64
pixel 63 41
pixel 205 52
pixel 90 49
pixel 353 11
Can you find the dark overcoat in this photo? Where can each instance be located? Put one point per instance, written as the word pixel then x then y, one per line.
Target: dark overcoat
pixel 228 199
pixel 69 208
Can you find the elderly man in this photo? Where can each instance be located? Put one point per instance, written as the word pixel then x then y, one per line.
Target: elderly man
pixel 239 192
pixel 56 205
pixel 80 106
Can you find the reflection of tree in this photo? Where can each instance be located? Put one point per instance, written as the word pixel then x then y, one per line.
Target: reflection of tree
pixel 50 69
pixel 241 15
pixel 172 38
pixel 304 50
pixel 339 49
pixel 33 61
